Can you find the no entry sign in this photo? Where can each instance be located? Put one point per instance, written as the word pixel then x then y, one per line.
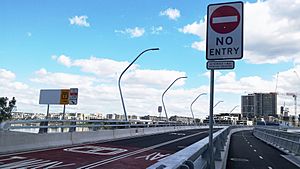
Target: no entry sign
pixel 224 38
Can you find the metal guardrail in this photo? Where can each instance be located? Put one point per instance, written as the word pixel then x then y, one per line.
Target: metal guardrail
pixel 196 155
pixel 280 139
pixel 79 125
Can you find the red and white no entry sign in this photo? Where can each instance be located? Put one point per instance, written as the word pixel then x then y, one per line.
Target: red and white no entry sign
pixel 224 37
pixel 225 19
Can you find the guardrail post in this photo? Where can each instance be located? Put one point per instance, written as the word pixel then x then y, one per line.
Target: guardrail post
pixel 72 129
pixel 205 158
pixel 218 148
pixel 43 130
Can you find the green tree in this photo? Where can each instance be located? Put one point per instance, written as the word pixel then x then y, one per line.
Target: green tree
pixel 5 109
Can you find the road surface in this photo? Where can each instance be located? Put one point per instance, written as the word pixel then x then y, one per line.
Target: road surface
pixel 248 152
pixel 134 153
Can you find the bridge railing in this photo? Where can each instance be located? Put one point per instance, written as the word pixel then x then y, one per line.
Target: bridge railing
pixel 44 126
pixel 196 155
pixel 281 139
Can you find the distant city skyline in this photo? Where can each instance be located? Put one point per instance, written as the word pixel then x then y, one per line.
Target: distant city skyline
pixel 87 44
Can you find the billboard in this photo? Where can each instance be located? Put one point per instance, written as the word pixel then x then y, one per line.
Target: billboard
pixel 58 96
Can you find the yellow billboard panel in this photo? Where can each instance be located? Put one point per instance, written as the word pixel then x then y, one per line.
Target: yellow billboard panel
pixel 64 96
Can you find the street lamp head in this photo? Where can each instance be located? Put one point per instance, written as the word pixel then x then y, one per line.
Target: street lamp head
pixel 154 49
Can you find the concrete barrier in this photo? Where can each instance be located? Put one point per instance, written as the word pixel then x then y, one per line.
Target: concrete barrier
pixel 18 141
pixel 136 132
pixel 92 136
pixel 11 141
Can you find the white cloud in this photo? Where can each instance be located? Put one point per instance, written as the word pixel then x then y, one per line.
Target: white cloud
pixel 79 20
pixel 109 70
pixel 196 28
pixel 54 57
pixel 141 99
pixel 62 80
pixel 171 13
pixel 156 30
pixel 29 34
pixel 63 59
pixel 272 33
pixel 102 67
pixel 142 89
pixel 41 72
pixel 7 75
pixel 133 32
pixel 11 88
pixel 199 45
pixel 154 78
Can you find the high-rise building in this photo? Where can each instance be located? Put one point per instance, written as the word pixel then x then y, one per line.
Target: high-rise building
pixel 259 105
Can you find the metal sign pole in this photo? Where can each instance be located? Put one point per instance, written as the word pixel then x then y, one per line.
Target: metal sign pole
pixel 64 112
pixel 211 113
pixel 47 115
pixel 63 117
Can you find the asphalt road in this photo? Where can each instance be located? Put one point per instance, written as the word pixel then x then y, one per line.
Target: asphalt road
pixel 134 153
pixel 248 152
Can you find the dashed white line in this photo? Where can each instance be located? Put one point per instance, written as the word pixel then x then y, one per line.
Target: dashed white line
pixel 254 150
pixel 270 167
pixel 250 145
pixel 260 157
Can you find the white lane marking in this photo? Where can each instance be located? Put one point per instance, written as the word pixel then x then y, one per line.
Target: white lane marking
pixel 98 150
pixel 254 150
pixel 270 167
pixel 178 134
pixel 35 164
pixel 261 157
pixel 13 158
pixel 99 163
pixel 239 159
pixel 224 19
pixel 250 145
pixel 181 146
pixel 20 163
pixel 155 156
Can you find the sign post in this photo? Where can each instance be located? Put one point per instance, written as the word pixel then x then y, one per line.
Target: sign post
pixel 159 111
pixel 224 41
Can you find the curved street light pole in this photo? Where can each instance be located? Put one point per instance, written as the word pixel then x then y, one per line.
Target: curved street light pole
pixel 232 111
pixel 233 108
pixel 216 106
pixel 218 103
pixel 162 96
pixel 119 82
pixel 194 102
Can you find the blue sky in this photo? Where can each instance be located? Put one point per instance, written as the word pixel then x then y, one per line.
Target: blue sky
pixel 86 44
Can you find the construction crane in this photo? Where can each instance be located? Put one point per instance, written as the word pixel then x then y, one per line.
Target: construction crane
pixel 293 94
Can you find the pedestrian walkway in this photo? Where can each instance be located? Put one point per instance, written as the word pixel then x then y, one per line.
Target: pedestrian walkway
pixel 248 152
